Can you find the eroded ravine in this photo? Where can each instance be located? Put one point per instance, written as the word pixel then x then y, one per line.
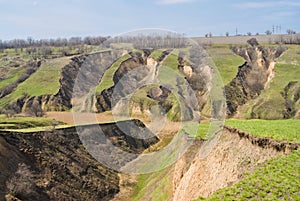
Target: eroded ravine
pixel 61 166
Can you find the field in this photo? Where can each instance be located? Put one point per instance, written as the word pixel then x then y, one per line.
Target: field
pixel 284 130
pixel 226 61
pixel 262 39
pixel 44 81
pixel 11 77
pixel 156 54
pixel 20 122
pixel 276 179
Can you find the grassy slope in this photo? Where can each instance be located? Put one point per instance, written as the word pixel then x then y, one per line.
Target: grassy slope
pixel 270 103
pixel 153 186
pixel 171 61
pixel 8 69
pixel 107 79
pixel 276 179
pixel 226 61
pixel 44 81
pixel 156 186
pixel 156 54
pixel 268 181
pixel 23 122
pixel 168 71
pixel 12 77
pixel 288 130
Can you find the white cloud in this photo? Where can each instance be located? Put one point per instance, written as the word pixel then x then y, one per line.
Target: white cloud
pixel 267 4
pixel 173 1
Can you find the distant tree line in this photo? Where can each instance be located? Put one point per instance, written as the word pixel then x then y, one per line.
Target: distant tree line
pixel 153 41
pixel 31 67
pixel 59 42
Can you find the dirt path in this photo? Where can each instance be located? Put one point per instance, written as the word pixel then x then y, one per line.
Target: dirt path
pixel 97 118
pixel 85 118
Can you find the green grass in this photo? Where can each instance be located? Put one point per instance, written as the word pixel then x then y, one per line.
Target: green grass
pixel 44 81
pixel 270 104
pixel 12 77
pixel 11 68
pixel 196 131
pixel 140 97
pixel 156 54
pixel 38 129
pixel 226 61
pixel 276 179
pixel 20 122
pixel 154 186
pixel 287 130
pixel 172 61
pixel 107 79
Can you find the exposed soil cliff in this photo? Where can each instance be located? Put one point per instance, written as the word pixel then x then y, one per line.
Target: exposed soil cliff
pixel 62 168
pixel 234 153
pixel 86 76
pixel 291 94
pixel 138 59
pixel 253 76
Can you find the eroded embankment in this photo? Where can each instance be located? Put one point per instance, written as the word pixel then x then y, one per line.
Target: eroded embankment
pixel 60 165
pixel 234 153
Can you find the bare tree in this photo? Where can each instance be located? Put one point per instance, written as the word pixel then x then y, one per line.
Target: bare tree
pixel 290 31
pixel 268 32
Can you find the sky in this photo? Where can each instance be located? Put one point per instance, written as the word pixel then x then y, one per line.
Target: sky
pixel 43 19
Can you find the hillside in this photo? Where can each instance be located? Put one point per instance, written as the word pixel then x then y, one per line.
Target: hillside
pixel 236 157
pixel 45 81
pixel 60 166
pixel 51 86
pixel 280 99
pixel 147 101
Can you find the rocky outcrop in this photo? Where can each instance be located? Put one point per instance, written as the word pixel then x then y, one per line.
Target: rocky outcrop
pixel 61 166
pixel 68 76
pixel 253 76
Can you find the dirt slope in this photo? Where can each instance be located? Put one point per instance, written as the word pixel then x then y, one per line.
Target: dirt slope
pixel 62 168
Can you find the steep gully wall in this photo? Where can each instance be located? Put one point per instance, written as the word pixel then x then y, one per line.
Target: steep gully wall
pixel 61 166
pixel 235 153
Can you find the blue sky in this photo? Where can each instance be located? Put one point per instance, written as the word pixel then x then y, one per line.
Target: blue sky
pixel 66 18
